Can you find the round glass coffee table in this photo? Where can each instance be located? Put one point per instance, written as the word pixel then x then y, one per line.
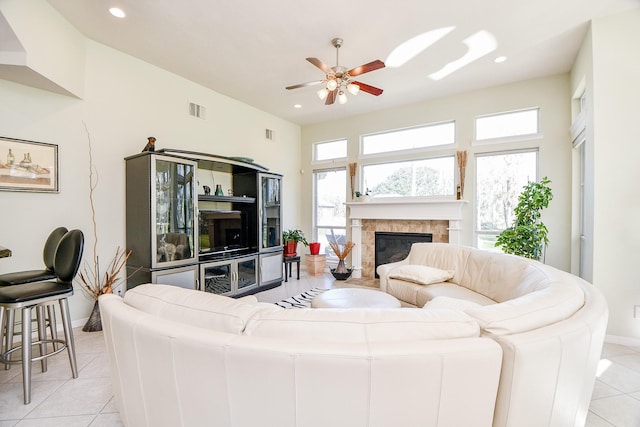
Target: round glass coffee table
pixel 354 298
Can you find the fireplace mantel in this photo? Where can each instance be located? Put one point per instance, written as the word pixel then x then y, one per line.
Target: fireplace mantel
pixel 413 208
pixel 407 208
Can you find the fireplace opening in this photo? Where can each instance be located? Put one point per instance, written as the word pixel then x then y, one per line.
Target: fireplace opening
pixel 393 246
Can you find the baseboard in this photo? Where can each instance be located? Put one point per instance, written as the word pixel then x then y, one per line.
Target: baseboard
pixel 627 341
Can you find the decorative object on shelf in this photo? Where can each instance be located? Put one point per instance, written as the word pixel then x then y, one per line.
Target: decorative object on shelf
pixel 338 79
pixel 462 166
pixel 93 284
pixel 527 236
pixel 360 197
pixel 151 145
pixel 353 167
pixel 207 190
pixel 341 272
pixel 290 239
pixel 219 191
pixel 314 248
pixel 30 166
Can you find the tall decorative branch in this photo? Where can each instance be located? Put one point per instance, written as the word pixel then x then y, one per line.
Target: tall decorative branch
pixel 352 175
pixel 89 275
pixel 462 166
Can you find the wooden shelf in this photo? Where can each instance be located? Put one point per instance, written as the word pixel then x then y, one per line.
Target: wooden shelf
pixel 230 199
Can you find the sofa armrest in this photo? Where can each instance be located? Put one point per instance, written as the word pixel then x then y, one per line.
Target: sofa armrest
pixel 384 269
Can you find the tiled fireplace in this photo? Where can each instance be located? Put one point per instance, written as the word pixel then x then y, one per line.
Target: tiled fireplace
pixel 441 218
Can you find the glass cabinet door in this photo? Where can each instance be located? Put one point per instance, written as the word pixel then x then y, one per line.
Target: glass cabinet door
pixel 174 207
pixel 217 278
pixel 247 273
pixel 270 211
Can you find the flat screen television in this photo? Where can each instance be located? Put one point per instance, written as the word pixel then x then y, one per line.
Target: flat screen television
pixel 222 231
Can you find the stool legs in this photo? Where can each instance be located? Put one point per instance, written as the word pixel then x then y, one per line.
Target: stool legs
pixel 42 335
pixel 26 354
pixel 68 335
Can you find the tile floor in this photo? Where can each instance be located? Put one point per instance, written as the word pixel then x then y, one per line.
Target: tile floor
pixel 59 400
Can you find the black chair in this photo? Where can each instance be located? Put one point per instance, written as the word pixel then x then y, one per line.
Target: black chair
pixel 40 294
pixel 48 255
pixel 28 276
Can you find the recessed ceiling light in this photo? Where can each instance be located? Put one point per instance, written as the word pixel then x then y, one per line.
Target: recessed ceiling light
pixel 117 12
pixel 297 106
pixel 500 59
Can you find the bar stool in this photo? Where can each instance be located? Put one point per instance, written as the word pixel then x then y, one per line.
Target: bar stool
pixel 43 294
pixel 29 276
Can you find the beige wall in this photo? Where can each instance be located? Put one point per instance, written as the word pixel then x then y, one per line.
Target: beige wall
pixel 125 101
pixel 551 94
pixel 616 145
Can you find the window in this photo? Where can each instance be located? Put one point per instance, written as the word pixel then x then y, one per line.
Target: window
pixel 505 125
pixel 499 181
pixel 426 177
pixel 330 219
pixel 330 150
pixel 410 139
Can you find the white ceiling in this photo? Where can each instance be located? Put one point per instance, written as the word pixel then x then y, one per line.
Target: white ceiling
pixel 251 49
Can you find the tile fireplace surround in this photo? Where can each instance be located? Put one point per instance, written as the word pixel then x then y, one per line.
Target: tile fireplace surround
pixel 440 217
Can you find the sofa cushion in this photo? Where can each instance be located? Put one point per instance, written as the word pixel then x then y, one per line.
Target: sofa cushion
pixel 420 274
pixel 195 308
pixel 419 295
pixel 551 304
pixel 362 325
pixel 441 255
pixel 451 303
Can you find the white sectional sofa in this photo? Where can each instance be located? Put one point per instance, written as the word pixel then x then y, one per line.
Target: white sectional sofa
pixel 188 358
pixel 502 341
pixel 549 324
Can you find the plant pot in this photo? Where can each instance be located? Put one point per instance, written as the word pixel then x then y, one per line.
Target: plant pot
pixel 314 248
pixel 94 322
pixel 290 248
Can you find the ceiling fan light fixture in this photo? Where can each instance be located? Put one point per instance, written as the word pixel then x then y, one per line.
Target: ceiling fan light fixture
pixel 342 98
pixel 332 84
pixel 322 93
pixel 353 88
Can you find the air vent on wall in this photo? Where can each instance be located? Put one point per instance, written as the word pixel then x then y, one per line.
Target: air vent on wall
pixel 269 134
pixel 196 110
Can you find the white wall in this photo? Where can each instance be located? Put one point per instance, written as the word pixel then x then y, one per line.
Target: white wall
pixel 125 101
pixel 616 127
pixel 551 94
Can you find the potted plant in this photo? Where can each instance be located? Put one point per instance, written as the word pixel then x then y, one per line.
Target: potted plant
pixel 290 239
pixel 527 236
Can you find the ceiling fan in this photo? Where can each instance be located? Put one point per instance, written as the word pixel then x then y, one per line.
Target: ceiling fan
pixel 338 78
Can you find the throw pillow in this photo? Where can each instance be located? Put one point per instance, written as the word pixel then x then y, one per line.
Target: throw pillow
pixel 420 274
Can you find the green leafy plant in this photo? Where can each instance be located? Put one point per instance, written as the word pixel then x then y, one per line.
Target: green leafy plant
pixel 527 236
pixel 294 236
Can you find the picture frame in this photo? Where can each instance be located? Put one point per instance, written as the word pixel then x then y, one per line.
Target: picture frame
pixel 28 166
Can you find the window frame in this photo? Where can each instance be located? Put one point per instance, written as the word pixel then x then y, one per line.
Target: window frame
pixel 509 138
pixel 314 151
pixel 407 160
pixel 477 232
pixel 314 218
pixel 407 151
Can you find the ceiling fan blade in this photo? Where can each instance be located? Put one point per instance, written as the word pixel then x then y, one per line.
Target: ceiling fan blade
pixel 368 88
pixel 331 97
pixel 316 82
pixel 371 66
pixel 324 67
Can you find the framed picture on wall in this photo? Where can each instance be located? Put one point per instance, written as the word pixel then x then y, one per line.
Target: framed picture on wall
pixel 28 166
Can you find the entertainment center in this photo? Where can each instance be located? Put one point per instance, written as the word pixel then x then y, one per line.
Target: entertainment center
pixel 180 234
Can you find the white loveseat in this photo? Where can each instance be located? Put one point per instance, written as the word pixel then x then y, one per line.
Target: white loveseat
pixel 549 324
pixel 187 358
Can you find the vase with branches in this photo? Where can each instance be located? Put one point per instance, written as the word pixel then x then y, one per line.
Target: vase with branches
pixel 341 272
pixel 93 283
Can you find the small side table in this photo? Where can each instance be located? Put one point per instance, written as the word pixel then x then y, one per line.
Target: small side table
pixel 287 261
